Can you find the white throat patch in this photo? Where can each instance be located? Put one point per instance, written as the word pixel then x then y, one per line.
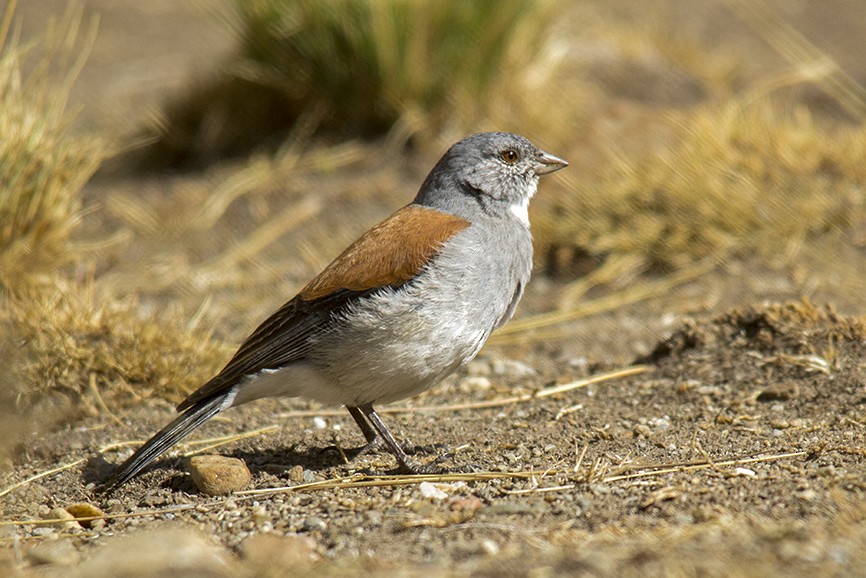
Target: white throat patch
pixel 521 210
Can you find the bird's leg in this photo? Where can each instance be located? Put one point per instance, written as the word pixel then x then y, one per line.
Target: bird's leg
pixel 369 433
pixel 406 466
pixel 374 442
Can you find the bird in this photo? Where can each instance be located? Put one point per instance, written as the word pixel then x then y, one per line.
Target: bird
pixel 408 303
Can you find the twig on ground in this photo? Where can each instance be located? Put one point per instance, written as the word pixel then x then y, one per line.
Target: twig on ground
pixel 40 475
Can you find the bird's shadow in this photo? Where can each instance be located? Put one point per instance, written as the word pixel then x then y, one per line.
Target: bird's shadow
pixel 273 462
pixel 261 463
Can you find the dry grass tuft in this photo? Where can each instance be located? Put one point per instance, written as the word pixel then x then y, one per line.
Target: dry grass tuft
pixel 739 178
pixel 80 353
pixel 358 68
pixel 42 166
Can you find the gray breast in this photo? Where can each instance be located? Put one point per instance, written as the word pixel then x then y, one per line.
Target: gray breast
pixel 400 342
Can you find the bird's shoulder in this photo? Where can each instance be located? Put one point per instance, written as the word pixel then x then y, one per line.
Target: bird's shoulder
pixel 388 255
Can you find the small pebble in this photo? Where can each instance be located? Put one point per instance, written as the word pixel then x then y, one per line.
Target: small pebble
pixel 374 517
pixel 464 504
pixel 319 422
pixel 660 423
pixel 807 495
pixel 431 492
pixel 84 510
pixel 477 383
pixel 489 547
pixel 68 522
pixel 478 368
pixel 512 368
pixel 219 475
pixel 310 477
pixel 296 474
pixel 315 524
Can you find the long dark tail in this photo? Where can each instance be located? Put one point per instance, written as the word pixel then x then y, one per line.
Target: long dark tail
pixel 182 425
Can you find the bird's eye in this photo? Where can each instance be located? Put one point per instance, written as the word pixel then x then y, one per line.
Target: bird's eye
pixel 510 156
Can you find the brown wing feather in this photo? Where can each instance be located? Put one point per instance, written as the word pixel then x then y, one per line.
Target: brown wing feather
pixel 372 262
pixel 368 264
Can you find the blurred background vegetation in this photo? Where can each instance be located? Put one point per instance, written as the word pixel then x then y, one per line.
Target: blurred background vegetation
pixel 717 158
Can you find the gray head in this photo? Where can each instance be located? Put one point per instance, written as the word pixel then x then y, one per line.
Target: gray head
pixel 496 171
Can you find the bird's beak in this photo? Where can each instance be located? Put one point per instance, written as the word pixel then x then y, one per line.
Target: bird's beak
pixel 546 163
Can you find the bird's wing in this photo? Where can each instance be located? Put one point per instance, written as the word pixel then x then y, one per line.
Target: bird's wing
pixel 388 255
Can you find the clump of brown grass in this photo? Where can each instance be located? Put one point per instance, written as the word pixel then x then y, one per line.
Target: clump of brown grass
pixel 349 67
pixel 42 164
pixel 83 353
pixel 737 179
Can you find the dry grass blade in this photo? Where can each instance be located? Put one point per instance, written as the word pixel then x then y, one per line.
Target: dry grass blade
pixel 797 49
pixel 660 469
pixel 44 166
pixel 269 232
pixel 365 481
pixel 236 186
pixel 156 512
pixel 6 23
pixel 41 475
pixel 212 443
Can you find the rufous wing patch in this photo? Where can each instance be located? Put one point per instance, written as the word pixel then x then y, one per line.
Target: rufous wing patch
pixel 389 254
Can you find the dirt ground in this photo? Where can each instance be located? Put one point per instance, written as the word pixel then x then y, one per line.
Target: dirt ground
pixel 736 446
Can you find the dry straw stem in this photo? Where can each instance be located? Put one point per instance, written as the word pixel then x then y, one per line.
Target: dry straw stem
pixel 41 475
pixel 797 49
pixel 42 165
pixel 740 179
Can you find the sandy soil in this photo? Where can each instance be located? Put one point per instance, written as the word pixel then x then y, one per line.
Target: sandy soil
pixel 738 449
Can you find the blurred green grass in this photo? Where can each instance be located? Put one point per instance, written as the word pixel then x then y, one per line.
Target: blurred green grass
pixel 347 68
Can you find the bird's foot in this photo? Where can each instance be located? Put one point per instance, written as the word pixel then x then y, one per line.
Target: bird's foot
pixel 373 447
pixel 407 466
pixel 376 446
pixel 427 449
